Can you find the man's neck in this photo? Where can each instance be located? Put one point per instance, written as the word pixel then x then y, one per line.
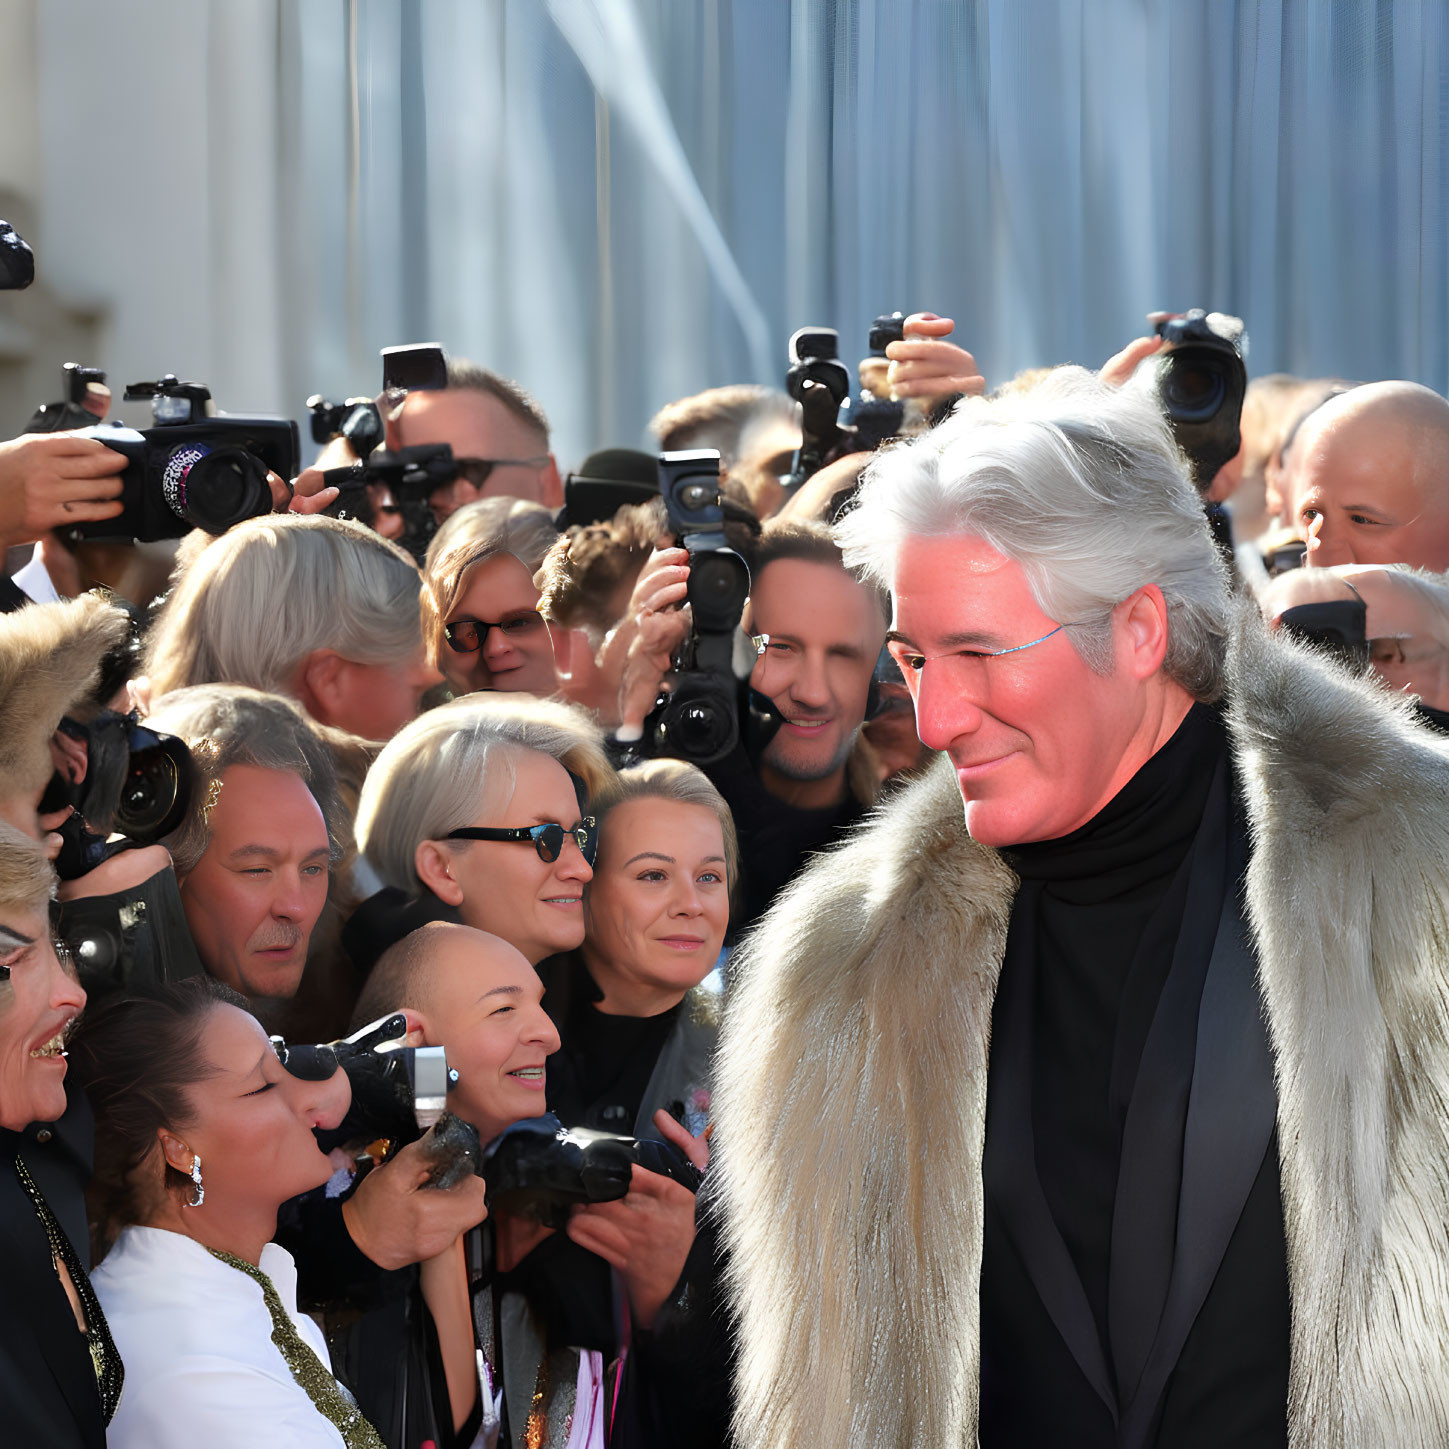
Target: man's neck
pixel 804 794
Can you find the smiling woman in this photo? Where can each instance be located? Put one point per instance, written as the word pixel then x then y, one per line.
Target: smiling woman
pixel 201 1135
pixel 60 1374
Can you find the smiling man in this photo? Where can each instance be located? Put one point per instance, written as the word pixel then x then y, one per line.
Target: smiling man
pixel 1087 1122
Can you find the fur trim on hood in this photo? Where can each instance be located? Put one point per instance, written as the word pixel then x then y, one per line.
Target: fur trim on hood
pixel 50 660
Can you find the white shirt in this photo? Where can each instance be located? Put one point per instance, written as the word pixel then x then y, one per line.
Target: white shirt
pixel 196 1338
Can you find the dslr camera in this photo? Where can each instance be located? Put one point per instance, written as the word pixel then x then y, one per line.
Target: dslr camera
pixel 699 719
pixel 1201 382
pixel 196 468
pixel 410 475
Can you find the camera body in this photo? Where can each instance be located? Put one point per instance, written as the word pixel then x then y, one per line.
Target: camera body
pixel 357 419
pixel 196 468
pixel 1201 382
pixel 699 719
pixel 410 474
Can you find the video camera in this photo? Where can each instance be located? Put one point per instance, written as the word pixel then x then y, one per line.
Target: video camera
pixel 699 719
pixel 410 475
pixel 196 468
pixel 833 422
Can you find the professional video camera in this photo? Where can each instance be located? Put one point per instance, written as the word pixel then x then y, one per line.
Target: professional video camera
pixel 699 719
pixel 833 422
pixel 410 475
pixel 196 468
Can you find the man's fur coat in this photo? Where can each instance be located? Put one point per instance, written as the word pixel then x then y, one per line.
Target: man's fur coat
pixel 850 1093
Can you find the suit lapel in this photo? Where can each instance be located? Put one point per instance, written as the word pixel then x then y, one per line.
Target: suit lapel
pixel 1009 1165
pixel 1230 1118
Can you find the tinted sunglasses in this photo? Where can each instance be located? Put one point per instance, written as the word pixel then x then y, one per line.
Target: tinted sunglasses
pixel 466 636
pixel 548 840
pixel 477 470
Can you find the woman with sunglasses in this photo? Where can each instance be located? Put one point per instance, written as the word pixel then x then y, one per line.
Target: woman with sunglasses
pixel 201 1135
pixel 479 812
pixel 479 603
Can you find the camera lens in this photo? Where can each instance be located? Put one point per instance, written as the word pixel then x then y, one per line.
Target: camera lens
pixel 700 732
pixel 1193 388
pixel 148 796
pixel 214 488
pixel 719 583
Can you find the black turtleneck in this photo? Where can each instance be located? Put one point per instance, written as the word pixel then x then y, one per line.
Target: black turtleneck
pixel 1107 915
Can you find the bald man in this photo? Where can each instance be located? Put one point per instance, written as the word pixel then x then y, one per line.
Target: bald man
pixel 476 995
pixel 1371 478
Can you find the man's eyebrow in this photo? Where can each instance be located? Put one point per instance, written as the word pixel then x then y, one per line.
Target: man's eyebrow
pixel 968 638
pixel 270 852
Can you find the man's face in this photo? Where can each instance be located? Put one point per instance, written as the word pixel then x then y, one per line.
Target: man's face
pixel 478 426
pixel 1371 493
pixel 516 656
pixel 252 899
pixel 1037 738
pixel 482 1001
pixel 825 635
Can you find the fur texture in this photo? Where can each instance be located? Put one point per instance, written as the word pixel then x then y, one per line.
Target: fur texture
pixel 850 1088
pixel 50 659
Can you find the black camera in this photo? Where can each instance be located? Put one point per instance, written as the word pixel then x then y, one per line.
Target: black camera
pixel 698 720
pixel 869 420
pixel 1201 382
pixel 358 420
pixel 17 261
pixel 410 475
pixel 398 1091
pixel 125 780
pixel 69 411
pixel 539 1169
pixel 196 468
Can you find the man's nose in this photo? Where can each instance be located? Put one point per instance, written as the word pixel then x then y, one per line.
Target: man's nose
pixel 542 1031
pixel 944 709
pixel 811 684
pixel 290 901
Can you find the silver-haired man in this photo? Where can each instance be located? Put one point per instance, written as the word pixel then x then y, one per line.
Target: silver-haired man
pixel 1195 1193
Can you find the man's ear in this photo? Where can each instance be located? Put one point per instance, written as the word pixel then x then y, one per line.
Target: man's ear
pixel 319 683
pixel 434 864
pixel 550 485
pixel 418 1033
pixel 1145 617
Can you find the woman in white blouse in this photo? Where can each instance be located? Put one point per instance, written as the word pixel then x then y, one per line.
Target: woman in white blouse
pixel 201 1135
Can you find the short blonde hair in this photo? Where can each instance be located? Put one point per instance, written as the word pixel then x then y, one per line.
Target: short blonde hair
pixel 475 533
pixel 685 784
pixel 427 780
pixel 26 879
pixel 254 603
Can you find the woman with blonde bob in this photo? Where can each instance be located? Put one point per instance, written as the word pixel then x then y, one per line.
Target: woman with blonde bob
pixel 317 608
pixel 480 810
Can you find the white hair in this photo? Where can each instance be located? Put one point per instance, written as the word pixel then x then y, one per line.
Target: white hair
pixel 431 776
pixel 1082 485
pixel 254 603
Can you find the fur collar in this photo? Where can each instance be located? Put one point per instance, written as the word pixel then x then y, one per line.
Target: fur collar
pixel 850 1086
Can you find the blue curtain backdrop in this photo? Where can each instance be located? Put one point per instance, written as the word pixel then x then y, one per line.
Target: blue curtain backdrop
pixel 621 201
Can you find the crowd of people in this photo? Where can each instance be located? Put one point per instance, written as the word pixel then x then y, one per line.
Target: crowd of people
pixel 1021 751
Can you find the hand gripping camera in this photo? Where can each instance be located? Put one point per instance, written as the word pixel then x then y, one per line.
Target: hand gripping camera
pixel 196 468
pixel 699 719
pixel 410 475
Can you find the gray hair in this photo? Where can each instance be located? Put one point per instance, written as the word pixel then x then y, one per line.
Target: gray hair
pixel 254 603
pixel 429 777
pixel 229 724
pixel 1082 485
pixel 476 532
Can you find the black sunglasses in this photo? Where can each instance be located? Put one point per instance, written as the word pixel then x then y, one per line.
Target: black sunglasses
pixel 466 636
pixel 477 470
pixel 547 839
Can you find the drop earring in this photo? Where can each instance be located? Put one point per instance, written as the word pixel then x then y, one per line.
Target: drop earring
pixel 199 1196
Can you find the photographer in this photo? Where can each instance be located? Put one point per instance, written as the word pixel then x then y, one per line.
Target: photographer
pixel 320 609
pixel 818 633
